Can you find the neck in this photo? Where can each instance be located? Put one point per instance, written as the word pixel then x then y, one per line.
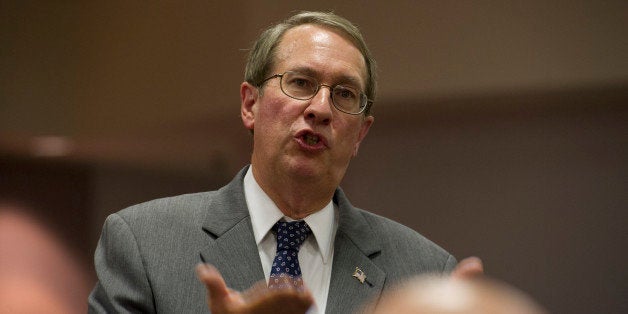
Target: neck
pixel 295 198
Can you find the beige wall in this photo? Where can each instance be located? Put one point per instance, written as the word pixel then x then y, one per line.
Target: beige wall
pixel 533 184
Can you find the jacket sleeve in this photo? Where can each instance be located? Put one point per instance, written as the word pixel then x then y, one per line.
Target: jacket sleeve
pixel 123 285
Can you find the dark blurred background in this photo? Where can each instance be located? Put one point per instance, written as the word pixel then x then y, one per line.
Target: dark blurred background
pixel 501 131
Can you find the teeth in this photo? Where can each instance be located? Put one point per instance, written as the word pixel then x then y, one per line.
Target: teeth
pixel 311 139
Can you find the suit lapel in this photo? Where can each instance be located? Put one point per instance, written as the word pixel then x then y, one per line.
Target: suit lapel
pixel 230 237
pixel 354 246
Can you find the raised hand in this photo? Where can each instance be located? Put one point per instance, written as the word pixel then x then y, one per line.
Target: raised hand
pixel 468 268
pixel 258 299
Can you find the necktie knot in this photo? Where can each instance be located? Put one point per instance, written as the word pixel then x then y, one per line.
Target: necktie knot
pixel 290 235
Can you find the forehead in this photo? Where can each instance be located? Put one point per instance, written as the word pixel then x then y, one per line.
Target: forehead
pixel 326 52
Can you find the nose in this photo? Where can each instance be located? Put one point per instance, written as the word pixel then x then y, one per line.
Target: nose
pixel 320 109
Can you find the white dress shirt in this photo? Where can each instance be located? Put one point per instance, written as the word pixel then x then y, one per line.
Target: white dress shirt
pixel 316 253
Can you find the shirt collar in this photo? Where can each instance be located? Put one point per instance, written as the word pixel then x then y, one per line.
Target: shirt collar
pixel 264 214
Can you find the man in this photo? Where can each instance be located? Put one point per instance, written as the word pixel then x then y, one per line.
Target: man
pixel 306 98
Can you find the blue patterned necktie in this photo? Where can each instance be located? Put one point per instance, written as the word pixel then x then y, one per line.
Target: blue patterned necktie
pixel 286 270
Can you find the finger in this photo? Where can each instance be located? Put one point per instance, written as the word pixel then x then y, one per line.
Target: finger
pixel 468 268
pixel 282 282
pixel 258 289
pixel 213 280
pixel 283 297
pixel 279 301
pixel 220 298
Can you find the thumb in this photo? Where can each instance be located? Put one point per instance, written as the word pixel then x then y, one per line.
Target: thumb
pixel 468 268
pixel 216 286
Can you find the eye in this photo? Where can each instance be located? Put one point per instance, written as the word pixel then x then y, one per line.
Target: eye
pixel 345 93
pixel 300 82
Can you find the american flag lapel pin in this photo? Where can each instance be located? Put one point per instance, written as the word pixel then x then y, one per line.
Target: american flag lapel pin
pixel 359 274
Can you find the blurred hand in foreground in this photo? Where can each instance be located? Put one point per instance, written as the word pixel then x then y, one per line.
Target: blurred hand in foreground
pixel 259 299
pixel 468 268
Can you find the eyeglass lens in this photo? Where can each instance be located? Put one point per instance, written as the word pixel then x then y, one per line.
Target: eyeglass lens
pixel 344 98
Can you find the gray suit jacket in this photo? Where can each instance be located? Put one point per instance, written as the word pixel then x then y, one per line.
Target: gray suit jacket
pixel 146 255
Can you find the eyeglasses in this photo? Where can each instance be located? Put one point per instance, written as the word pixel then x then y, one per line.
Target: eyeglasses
pixel 299 86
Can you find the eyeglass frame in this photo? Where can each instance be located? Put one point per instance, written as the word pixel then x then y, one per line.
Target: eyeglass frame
pixel 364 108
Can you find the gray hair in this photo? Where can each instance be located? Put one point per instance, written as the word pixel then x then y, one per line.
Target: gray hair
pixel 263 54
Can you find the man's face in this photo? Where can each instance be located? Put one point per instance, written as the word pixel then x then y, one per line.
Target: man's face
pixel 307 139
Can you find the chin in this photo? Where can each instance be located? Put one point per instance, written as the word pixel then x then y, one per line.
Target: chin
pixel 317 172
pixel 306 169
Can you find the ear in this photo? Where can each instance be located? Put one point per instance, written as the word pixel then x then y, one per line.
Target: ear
pixel 249 95
pixel 364 129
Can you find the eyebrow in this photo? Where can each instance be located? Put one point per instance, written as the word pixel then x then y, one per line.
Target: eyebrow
pixel 340 80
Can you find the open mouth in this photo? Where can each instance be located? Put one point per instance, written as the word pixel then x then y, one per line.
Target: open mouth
pixel 310 139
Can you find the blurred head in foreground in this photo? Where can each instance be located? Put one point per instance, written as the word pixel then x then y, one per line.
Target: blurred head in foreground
pixel 432 295
pixel 38 272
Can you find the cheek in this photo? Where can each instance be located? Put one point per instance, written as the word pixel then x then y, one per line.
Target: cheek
pixel 347 136
pixel 276 108
pixel 270 114
pixel 275 122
